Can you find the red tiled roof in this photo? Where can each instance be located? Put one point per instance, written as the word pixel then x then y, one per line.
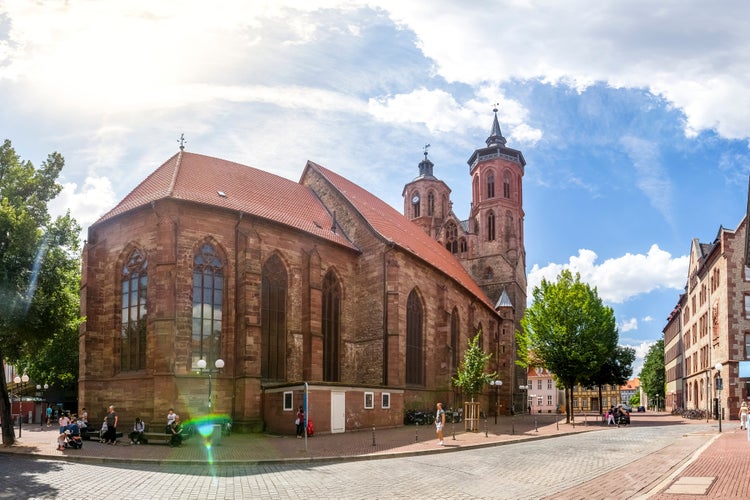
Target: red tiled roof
pixel 199 178
pixel 394 227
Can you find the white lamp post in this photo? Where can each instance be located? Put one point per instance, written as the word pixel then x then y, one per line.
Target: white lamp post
pixel 201 364
pixel 496 384
pixel 20 382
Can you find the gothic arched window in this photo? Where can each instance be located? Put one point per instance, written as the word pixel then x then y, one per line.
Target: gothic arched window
pixel 134 312
pixel 506 185
pixel 451 237
pixel 414 348
pixel 430 203
pixel 491 226
pixel 490 185
pixel 415 205
pixel 208 304
pixel 274 287
pixel 331 320
pixel 455 338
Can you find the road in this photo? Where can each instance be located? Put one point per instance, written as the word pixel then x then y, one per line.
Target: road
pixel 633 458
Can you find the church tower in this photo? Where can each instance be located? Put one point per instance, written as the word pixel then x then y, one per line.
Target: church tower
pixel 497 255
pixel 427 199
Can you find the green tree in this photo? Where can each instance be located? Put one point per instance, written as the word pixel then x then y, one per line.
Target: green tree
pixel 569 331
pixel 652 374
pixel 39 277
pixel 616 370
pixel 470 376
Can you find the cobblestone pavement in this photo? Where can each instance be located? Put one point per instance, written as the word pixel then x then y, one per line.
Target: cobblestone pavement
pixel 628 462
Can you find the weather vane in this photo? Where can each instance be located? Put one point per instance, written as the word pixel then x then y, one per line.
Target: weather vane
pixel 495 107
pixel 182 142
pixel 426 147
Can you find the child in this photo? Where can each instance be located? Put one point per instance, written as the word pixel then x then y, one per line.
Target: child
pixel 103 431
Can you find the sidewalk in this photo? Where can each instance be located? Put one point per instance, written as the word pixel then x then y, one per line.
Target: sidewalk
pixel 714 465
pixel 353 444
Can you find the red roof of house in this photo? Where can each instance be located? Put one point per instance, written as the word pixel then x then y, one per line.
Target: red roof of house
pixel 393 227
pixel 220 183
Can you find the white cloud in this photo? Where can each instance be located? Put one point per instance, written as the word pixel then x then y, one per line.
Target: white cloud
pixel 628 324
pixel 703 68
pixel 621 278
pixel 86 203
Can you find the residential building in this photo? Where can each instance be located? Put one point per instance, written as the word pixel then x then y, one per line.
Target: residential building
pixel 714 326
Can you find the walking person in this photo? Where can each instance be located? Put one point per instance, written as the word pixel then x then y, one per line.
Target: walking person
pixel 611 415
pixel 300 423
pixel 111 435
pixel 440 423
pixel 49 415
pixel 743 415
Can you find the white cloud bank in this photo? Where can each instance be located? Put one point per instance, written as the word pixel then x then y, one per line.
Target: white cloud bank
pixel 619 279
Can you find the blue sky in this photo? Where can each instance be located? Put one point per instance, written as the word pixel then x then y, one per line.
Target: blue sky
pixel 632 116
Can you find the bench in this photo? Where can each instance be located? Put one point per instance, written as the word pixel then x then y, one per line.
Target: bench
pixel 91 434
pixel 156 437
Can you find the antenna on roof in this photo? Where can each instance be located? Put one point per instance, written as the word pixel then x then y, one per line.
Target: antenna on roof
pixel 182 142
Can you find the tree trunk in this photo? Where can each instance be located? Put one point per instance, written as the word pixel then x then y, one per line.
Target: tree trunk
pixel 9 434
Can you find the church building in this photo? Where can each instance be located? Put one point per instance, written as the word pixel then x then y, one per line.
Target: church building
pixel 215 287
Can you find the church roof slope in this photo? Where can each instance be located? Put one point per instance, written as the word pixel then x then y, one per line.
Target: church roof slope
pixel 397 229
pixel 220 183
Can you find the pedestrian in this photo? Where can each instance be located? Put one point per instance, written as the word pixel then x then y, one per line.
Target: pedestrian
pixel 111 435
pixel 63 422
pixel 300 422
pixel 743 415
pixel 49 415
pixel 611 415
pixel 440 423
pixel 136 437
pixel 171 416
pixel 84 418
pixel 103 431
pixel 175 430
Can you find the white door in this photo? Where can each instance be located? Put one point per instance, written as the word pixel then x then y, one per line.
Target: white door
pixel 338 412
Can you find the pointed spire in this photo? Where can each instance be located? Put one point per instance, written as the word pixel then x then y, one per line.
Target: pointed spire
pixel 425 166
pixel 496 135
pixel 504 301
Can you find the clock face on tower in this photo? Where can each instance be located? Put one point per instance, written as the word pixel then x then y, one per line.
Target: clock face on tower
pixel 415 199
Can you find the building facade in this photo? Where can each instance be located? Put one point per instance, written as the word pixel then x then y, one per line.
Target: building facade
pixel 312 293
pixel 714 327
pixel 542 393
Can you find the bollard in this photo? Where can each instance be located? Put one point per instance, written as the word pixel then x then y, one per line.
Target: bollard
pixel 416 436
pixel 557 423
pixel 485 427
pixel 536 426
pixel 453 426
pixel 373 435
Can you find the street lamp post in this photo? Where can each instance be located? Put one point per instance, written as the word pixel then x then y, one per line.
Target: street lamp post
pixel 496 384
pixel 719 387
pixel 219 364
pixel 41 413
pixel 20 382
